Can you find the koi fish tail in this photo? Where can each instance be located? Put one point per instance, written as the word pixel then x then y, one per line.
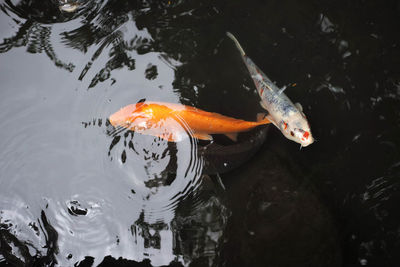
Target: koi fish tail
pixel 262 118
pixel 230 35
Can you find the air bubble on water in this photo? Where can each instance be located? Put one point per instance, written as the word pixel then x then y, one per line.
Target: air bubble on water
pixel 346 54
pixel 326 25
pixel 363 262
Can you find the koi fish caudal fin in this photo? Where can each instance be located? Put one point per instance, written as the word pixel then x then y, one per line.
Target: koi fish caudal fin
pixel 230 35
pixel 262 118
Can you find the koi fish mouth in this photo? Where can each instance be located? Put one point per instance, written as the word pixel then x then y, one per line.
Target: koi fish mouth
pixel 307 141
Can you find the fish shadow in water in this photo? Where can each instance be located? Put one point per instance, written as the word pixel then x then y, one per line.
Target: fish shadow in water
pixel 219 156
pixel 224 155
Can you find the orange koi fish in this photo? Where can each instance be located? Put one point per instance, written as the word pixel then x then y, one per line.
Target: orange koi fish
pixel 173 121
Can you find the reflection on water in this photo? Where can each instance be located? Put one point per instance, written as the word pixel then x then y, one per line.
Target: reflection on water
pixel 146 160
pixel 72 191
pixel 94 193
pixel 200 214
pixel 36 38
pixel 19 252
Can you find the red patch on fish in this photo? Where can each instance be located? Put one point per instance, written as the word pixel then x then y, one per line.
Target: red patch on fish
pixel 306 135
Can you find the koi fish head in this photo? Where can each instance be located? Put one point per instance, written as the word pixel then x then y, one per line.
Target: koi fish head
pixel 150 118
pixel 131 114
pixel 296 128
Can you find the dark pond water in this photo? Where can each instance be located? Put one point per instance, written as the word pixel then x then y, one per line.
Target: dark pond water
pixel 73 191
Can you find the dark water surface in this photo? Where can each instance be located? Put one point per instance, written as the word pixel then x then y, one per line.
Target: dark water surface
pixel 73 191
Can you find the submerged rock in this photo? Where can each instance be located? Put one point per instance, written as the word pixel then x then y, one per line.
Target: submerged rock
pixel 277 218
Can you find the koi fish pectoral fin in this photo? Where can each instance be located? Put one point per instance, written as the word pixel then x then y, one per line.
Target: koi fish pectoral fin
pixel 232 136
pixel 170 137
pixel 202 136
pixel 167 137
pixel 299 106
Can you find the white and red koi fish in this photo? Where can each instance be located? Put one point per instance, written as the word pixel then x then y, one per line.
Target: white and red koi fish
pixel 288 117
pixel 172 121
